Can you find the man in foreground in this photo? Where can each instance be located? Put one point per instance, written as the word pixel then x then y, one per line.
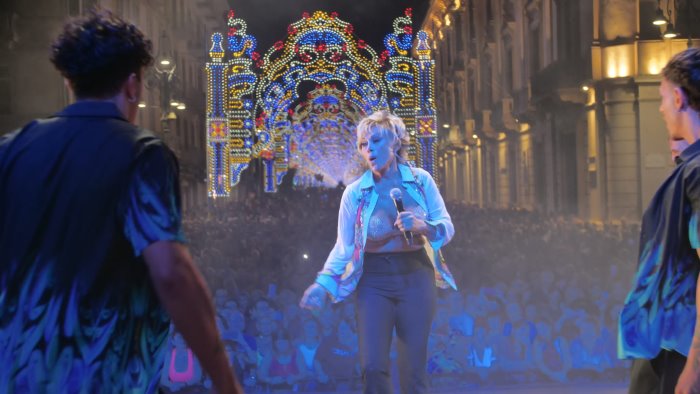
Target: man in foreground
pixel 657 320
pixel 92 265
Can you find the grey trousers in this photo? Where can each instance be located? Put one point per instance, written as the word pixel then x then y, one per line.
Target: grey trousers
pixel 396 291
pixel 656 376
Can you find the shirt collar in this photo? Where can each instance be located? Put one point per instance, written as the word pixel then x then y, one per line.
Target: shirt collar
pixel 92 108
pixel 367 180
pixel 690 152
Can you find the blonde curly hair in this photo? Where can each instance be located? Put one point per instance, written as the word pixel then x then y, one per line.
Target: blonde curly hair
pixel 389 125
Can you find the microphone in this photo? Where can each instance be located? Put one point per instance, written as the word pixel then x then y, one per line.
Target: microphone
pixel 396 195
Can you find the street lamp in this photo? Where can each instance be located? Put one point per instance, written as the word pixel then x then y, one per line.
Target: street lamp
pixel 670 32
pixel 690 10
pixel 659 19
pixel 163 77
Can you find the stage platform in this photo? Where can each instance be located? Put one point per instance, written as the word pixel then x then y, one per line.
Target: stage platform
pixel 573 388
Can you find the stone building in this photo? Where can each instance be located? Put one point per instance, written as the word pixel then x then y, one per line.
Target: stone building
pixel 552 105
pixel 180 30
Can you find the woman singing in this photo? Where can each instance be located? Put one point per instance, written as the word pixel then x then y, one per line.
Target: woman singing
pixel 391 259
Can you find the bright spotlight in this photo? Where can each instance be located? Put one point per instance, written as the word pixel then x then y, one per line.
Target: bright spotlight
pixel 670 32
pixel 659 19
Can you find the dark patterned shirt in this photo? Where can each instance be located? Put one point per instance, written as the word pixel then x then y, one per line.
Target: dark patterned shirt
pixel 81 195
pixel 659 312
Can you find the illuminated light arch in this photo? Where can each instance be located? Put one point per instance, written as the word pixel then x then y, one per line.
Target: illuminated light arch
pixel 256 107
pixel 322 146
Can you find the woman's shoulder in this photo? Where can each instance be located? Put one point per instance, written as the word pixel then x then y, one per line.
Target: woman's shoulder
pixel 354 184
pixel 355 187
pixel 421 174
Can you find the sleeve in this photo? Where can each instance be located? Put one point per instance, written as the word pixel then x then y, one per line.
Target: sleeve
pixel 152 202
pixel 437 212
pixel 341 254
pixel 692 186
pixel 6 140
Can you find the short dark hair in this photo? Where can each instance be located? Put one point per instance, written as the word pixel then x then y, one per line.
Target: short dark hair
pixel 684 70
pixel 98 52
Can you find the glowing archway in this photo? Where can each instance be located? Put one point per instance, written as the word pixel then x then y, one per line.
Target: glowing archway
pixel 322 145
pixel 298 104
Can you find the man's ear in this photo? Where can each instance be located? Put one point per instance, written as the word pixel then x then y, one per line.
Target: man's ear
pixel 132 88
pixel 69 88
pixel 680 101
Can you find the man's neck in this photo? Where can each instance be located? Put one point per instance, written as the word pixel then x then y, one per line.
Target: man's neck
pixel 691 124
pixel 118 100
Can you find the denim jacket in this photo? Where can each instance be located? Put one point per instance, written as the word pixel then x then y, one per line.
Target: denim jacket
pixel 343 268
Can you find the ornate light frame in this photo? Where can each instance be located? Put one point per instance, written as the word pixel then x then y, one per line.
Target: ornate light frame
pixel 251 98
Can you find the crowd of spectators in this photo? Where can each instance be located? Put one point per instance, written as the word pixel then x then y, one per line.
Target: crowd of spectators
pixel 538 301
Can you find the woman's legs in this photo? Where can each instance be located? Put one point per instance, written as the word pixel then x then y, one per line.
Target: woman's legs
pixel 414 316
pixel 375 325
pixel 396 290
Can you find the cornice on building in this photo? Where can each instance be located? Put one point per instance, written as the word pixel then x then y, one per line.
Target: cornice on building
pixel 636 58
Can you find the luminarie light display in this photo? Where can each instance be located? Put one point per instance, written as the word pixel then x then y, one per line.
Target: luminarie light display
pixel 298 104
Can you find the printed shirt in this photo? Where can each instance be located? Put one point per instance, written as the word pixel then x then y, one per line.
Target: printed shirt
pixel 659 313
pixel 83 194
pixel 343 267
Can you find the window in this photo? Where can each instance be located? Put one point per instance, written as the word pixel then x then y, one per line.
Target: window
pixel 5 96
pixel 190 133
pixel 471 95
pixel 457 104
pixel 534 50
pixel 486 80
pixel 459 27
pixel 74 7
pixel 508 68
pixel 195 133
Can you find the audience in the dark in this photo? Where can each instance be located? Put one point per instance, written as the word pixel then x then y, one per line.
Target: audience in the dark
pixel 538 301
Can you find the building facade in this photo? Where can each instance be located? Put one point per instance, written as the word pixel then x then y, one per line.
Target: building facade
pixel 552 105
pixel 30 87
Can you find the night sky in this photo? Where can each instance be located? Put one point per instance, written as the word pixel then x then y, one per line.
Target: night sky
pixel 268 19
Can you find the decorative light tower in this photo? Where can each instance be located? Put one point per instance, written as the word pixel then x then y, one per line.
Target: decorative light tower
pixel 253 99
pixel 426 119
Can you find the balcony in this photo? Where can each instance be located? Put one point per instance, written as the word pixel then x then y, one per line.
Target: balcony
pixel 521 102
pixel 502 116
pixel 566 74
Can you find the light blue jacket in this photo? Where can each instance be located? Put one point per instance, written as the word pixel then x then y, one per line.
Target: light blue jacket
pixel 343 268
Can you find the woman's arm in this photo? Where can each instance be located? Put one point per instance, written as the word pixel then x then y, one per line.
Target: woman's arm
pixel 341 255
pixel 439 218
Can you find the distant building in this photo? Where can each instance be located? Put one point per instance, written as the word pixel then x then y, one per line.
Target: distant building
pixel 553 104
pixel 30 87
